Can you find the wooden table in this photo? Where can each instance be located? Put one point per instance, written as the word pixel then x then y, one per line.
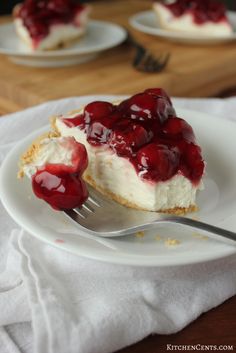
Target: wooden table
pixel 193 71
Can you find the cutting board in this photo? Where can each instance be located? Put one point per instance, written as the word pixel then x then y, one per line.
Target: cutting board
pixel 193 70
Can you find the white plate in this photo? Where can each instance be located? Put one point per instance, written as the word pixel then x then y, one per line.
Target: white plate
pixel 217 204
pixel 99 36
pixel 147 22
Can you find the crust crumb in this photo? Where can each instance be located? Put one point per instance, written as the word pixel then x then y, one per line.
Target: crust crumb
pixel 139 234
pixel 52 120
pixel 195 218
pixel 200 236
pixel 158 237
pixel 172 242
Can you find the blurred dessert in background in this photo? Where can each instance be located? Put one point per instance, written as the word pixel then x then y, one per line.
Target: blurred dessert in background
pixel 50 24
pixel 207 18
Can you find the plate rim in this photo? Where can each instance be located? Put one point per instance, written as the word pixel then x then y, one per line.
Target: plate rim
pixel 68 52
pixel 176 35
pixel 121 259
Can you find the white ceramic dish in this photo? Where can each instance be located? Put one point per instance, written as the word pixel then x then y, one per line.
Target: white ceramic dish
pixel 217 204
pixel 99 36
pixel 147 22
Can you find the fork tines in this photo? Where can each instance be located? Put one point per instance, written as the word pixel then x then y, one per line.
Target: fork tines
pixel 88 207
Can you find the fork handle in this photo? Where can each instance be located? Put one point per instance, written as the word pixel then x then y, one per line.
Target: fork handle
pixel 220 232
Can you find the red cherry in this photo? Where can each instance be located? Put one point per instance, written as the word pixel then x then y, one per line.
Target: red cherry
pixel 141 107
pixel 99 131
pixel 60 191
pixel 178 129
pixel 158 92
pixel 157 162
pixel 192 163
pixel 122 124
pixel 97 110
pixel 146 107
pixel 164 110
pixel 127 142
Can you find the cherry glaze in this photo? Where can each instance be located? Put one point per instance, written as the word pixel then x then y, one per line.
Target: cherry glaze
pixel 60 185
pixel 145 130
pixel 39 15
pixel 202 10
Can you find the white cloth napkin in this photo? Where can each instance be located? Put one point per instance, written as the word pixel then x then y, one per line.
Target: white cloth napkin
pixel 55 302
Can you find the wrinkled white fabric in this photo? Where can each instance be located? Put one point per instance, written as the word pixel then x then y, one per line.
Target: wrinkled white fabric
pixel 54 302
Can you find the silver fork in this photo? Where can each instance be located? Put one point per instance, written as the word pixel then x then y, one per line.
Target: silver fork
pixel 100 216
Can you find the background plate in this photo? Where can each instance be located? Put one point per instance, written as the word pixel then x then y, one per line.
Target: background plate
pixel 217 204
pixel 99 36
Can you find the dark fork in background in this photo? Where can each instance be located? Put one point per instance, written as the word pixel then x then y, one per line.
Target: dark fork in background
pixel 144 60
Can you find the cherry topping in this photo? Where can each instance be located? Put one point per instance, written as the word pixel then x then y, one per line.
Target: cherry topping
pixel 158 92
pixel 145 106
pixel 97 110
pixel 144 129
pixel 157 161
pixel 177 129
pixel 99 131
pixel 192 165
pixel 62 191
pixel 61 185
pixel 127 142
pixel 202 11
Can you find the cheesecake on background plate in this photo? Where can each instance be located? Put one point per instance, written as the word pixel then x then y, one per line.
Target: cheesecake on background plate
pixel 200 17
pixel 50 24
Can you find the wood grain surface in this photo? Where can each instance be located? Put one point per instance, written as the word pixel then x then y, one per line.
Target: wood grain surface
pixel 193 71
pixel 216 327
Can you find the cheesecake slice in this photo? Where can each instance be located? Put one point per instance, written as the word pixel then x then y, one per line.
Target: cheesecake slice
pixel 50 24
pixel 139 153
pixel 203 18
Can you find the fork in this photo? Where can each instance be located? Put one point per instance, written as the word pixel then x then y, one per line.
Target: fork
pixel 100 216
pixel 144 60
